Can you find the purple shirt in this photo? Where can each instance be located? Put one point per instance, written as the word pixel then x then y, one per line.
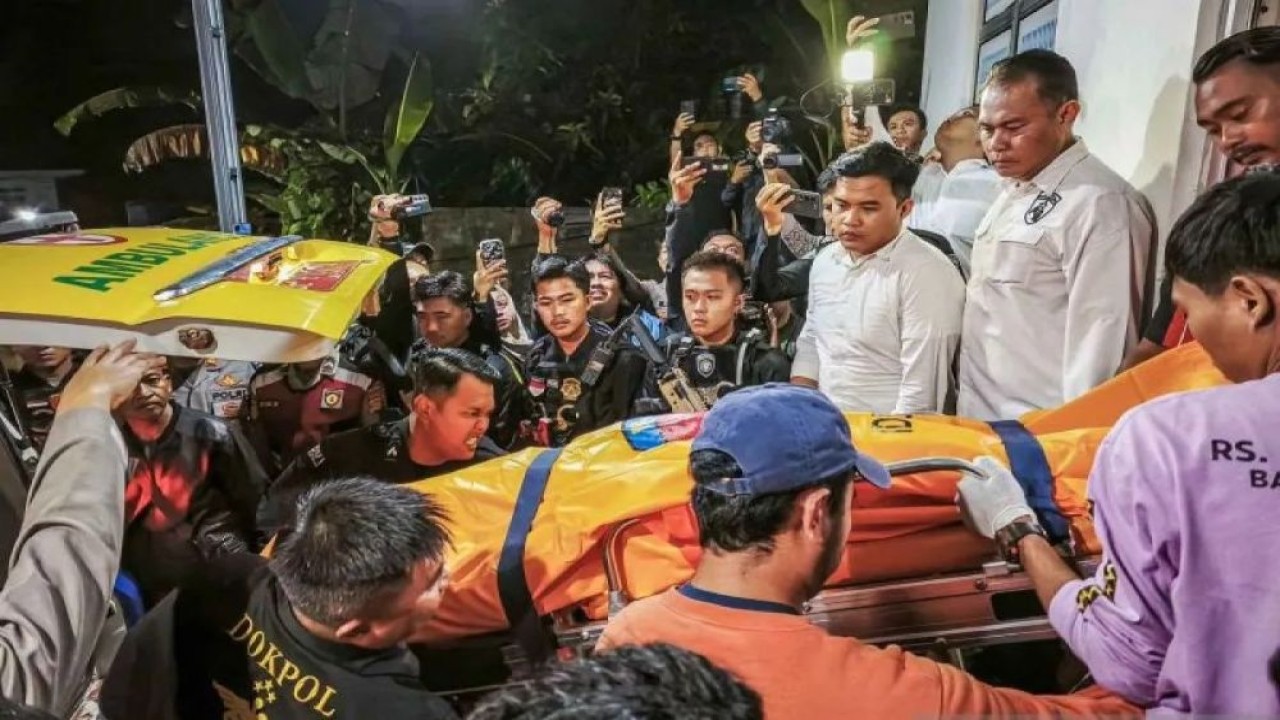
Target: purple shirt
pixel 1184 612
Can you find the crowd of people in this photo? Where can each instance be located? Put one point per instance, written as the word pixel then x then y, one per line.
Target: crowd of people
pixel 999 269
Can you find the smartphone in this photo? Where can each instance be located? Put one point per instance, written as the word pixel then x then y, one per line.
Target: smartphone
pixel 897 26
pixel 806 204
pixel 690 108
pixel 611 196
pixel 492 251
pixel 711 165
pixel 729 85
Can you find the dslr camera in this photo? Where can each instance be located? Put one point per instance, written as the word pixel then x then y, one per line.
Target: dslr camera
pixel 776 130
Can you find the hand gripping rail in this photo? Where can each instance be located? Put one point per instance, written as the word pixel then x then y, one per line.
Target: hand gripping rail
pixel 991 605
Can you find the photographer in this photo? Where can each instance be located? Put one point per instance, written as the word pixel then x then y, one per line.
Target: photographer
pixel 616 293
pixel 718 354
pixel 580 375
pixel 394 320
pixel 746 180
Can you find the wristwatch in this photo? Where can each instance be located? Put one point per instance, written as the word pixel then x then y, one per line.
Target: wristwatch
pixel 1008 537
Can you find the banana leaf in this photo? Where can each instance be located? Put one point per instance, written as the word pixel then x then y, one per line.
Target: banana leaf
pixel 407 117
pixel 833 17
pixel 122 98
pixel 349 54
pixel 189 142
pixel 273 49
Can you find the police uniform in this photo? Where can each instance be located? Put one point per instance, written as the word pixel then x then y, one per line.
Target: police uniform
pixel 219 388
pixel 380 451
pixel 293 418
pixel 745 361
pixel 564 403
pixel 230 645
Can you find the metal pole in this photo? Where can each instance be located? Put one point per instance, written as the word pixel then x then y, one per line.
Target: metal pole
pixel 219 111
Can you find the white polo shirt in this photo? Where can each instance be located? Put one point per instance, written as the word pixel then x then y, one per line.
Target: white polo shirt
pixel 1058 279
pixel 967 193
pixel 882 329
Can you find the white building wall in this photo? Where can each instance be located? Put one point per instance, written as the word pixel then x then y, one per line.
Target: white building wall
pixel 1133 59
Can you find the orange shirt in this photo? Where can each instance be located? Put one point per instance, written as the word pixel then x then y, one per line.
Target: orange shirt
pixel 802 673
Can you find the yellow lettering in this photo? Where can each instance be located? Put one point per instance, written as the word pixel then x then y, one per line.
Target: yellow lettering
pixel 242 629
pixel 260 640
pixel 288 673
pixel 298 690
pixel 322 706
pixel 268 661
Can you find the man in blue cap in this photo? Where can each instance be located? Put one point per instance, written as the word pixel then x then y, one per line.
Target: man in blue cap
pixel 774 473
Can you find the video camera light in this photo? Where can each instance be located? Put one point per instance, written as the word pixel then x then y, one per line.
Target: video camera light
pixel 857 66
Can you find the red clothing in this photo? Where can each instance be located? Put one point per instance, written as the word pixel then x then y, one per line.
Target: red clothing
pixel 803 673
pixel 294 419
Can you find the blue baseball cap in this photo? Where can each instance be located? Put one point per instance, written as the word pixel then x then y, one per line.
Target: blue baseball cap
pixel 784 437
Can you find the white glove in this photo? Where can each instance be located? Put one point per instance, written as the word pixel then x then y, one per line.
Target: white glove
pixel 992 502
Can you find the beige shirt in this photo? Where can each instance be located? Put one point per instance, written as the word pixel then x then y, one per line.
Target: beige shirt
pixel 54 603
pixel 882 329
pixel 1059 275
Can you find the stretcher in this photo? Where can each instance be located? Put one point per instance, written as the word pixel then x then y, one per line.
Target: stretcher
pixel 548 544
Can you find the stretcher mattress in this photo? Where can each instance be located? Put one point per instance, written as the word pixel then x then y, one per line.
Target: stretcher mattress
pixel 638 472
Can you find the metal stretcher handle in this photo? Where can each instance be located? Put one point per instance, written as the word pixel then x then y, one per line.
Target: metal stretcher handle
pixel 218 270
pixel 617 595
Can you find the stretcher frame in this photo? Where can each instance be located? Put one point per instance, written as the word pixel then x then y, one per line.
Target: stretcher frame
pixel 992 605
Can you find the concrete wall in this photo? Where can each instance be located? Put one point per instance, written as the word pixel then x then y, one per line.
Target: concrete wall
pixel 1134 60
pixel 455 232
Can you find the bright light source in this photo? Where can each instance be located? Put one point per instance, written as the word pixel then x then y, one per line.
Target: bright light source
pixel 857 66
pixel 26 214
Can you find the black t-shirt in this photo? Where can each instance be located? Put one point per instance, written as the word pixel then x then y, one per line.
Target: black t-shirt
pixel 241 653
pixel 380 451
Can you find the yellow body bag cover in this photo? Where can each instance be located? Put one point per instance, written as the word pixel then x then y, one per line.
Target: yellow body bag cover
pixel 603 479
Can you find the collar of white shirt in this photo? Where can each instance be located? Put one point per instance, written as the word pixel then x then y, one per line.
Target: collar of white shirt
pixel 1048 179
pixel 968 166
pixel 850 260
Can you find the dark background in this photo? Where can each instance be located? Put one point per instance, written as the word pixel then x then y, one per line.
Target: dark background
pixel 612 71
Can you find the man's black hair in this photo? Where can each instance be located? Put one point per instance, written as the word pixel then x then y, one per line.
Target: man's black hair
pixel 717 233
pixel 634 682
pixel 1054 76
pixel 1259 46
pixel 708 260
pixel 827 178
pixel 447 284
pixel 879 159
pixel 559 267
pixel 907 107
pixel 436 371
pixel 1233 228
pixel 353 542
pixel 738 523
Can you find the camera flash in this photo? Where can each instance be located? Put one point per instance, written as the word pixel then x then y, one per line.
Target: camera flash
pixel 857 66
